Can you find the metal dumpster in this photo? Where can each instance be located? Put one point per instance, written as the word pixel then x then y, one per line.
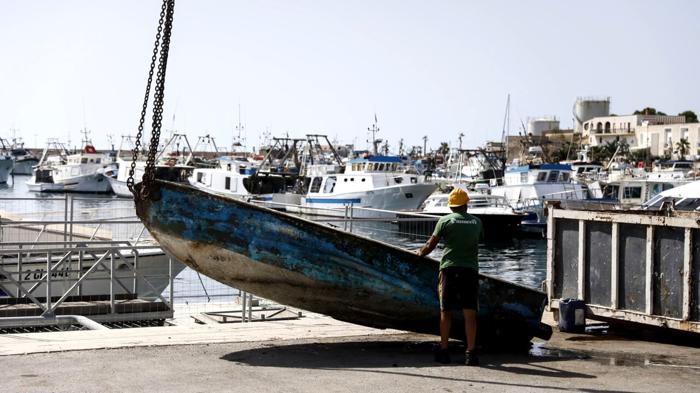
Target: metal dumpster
pixel 631 266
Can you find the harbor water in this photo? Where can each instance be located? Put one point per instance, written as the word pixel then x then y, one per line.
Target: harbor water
pixel 521 261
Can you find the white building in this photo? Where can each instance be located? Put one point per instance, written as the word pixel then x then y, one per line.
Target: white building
pixel 658 133
pixel 663 139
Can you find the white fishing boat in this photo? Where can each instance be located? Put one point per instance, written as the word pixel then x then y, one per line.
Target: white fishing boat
pixel 82 171
pixel 54 154
pixel 631 187
pixel 175 153
pixel 497 216
pixel 374 182
pixel 525 183
pixel 6 161
pixel 230 178
pixel 528 187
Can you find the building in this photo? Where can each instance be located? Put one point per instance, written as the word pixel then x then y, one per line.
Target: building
pixel 662 139
pixel 657 133
pixel 600 130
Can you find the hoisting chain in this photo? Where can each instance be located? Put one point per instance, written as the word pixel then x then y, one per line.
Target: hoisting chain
pixel 162 48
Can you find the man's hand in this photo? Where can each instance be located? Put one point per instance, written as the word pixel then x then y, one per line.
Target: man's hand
pixel 428 247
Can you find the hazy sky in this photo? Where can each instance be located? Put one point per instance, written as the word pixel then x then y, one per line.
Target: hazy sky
pixel 432 68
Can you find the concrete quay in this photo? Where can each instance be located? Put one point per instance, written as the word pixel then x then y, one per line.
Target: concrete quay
pixel 317 353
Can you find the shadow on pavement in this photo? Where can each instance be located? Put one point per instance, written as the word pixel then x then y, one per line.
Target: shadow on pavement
pixel 382 356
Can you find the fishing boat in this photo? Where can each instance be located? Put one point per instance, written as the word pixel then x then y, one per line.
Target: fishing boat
pixel 175 154
pixel 82 172
pixel 230 178
pixel 24 159
pixel 6 161
pixel 318 268
pixel 374 182
pixel 544 181
pixel 499 219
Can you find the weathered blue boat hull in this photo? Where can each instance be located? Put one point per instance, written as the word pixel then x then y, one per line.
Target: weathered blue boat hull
pixel 318 268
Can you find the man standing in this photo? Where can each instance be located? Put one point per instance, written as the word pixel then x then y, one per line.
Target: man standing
pixel 458 283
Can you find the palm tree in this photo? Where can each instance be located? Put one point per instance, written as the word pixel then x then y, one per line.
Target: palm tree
pixel 683 147
pixel 444 148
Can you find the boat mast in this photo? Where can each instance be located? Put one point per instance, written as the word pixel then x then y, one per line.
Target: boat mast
pixel 374 130
pixel 506 129
pixel 240 128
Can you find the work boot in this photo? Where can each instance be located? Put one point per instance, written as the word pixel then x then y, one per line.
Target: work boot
pixel 471 358
pixel 442 355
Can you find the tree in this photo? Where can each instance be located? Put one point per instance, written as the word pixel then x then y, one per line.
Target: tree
pixel 562 154
pixel 607 151
pixel 690 116
pixel 683 147
pixel 643 155
pixel 649 111
pixel 444 148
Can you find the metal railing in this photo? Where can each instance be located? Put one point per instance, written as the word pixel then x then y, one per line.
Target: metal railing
pixel 113 265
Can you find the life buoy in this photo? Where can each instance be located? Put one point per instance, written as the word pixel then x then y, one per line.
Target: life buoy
pixel 90 149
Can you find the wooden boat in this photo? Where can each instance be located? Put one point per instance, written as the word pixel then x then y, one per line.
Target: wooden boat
pixel 321 269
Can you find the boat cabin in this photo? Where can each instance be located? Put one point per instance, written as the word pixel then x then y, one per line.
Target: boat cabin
pixel 360 174
pixel 535 174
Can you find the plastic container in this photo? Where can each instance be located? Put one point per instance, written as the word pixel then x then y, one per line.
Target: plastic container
pixel 572 315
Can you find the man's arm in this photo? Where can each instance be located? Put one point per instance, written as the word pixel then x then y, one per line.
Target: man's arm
pixel 429 246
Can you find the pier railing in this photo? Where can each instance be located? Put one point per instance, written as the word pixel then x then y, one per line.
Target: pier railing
pixel 116 278
pixel 641 267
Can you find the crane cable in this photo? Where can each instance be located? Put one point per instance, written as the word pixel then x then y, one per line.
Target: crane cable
pixel 161 49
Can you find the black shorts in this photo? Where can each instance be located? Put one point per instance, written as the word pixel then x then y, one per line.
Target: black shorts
pixel 458 288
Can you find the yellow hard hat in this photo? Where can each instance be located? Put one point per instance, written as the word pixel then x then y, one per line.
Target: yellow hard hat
pixel 458 197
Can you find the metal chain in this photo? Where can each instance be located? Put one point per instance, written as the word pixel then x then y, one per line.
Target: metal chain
pixel 144 109
pixel 158 99
pixel 165 23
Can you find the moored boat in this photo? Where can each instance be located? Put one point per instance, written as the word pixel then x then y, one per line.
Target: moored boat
pixel 6 162
pixel 499 219
pixel 318 268
pixel 24 159
pixel 375 182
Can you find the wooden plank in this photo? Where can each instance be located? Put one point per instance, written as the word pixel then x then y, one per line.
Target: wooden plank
pixel 581 259
pixel 687 266
pixel 614 265
pixel 649 273
pixel 626 218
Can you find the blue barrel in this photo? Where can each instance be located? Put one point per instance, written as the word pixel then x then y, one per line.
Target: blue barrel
pixel 572 315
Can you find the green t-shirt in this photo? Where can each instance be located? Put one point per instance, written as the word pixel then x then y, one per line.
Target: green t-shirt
pixel 460 233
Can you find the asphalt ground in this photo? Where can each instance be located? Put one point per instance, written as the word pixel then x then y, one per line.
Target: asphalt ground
pixel 318 354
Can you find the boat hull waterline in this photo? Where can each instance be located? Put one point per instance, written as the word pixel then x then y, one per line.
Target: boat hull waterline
pixel 318 268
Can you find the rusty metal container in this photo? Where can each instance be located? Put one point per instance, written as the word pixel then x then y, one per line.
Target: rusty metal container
pixel 628 266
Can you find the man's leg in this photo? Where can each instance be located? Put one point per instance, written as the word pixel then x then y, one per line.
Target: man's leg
pixel 469 328
pixel 445 323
